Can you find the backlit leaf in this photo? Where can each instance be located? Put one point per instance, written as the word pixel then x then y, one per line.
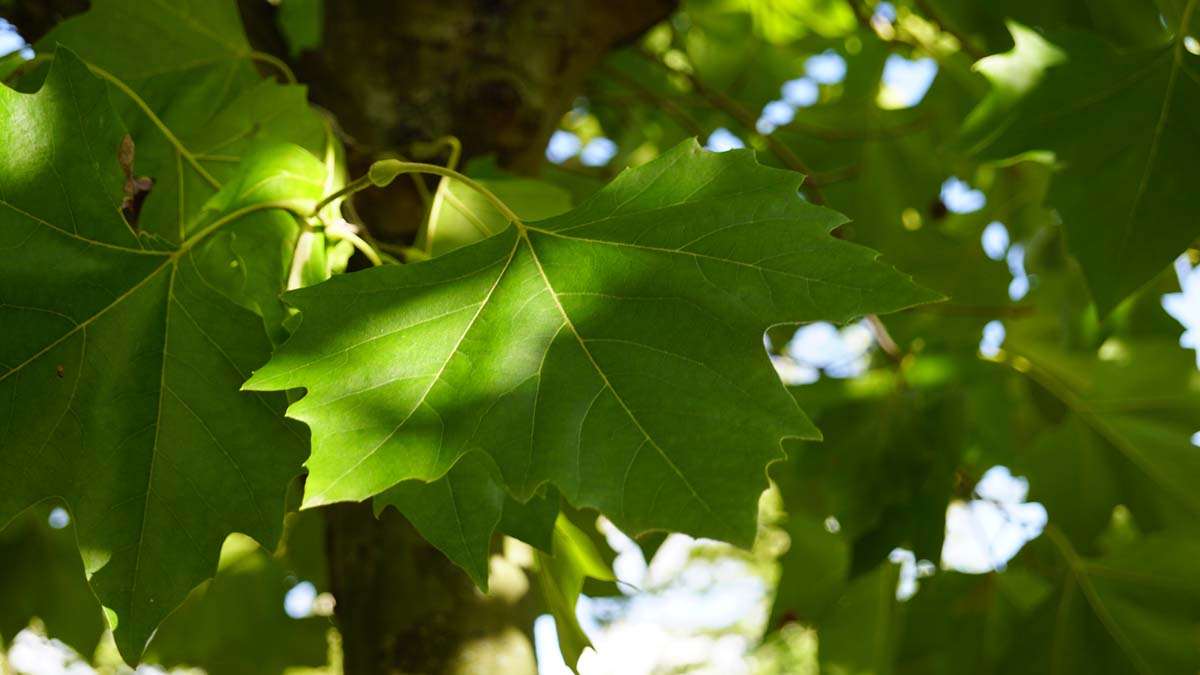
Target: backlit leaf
pixel 615 351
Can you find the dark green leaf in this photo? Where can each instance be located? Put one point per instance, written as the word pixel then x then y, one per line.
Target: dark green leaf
pixel 1124 200
pixel 121 379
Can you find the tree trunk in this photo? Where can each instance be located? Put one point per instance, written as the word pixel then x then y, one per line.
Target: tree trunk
pixel 403 608
pixel 498 75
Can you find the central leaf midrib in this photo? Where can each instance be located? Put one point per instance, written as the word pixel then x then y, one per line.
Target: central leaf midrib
pixel 1161 125
pixel 523 235
pixel 1078 573
pixel 436 377
pixel 162 386
pixel 1095 421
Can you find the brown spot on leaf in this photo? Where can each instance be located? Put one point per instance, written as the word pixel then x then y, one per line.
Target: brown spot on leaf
pixel 136 187
pixel 125 157
pixel 58 370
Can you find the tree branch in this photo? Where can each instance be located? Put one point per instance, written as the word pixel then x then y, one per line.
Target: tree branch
pixel 749 121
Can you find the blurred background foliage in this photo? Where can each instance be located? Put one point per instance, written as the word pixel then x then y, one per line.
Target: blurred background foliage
pixel 1008 480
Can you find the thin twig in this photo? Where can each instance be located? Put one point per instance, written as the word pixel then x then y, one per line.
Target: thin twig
pixel 861 134
pixel 673 110
pixel 844 173
pixel 884 338
pixel 749 121
pixel 966 43
pixel 981 311
pixel 861 14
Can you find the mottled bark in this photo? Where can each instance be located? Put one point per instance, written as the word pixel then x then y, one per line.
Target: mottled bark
pixel 403 608
pixel 497 74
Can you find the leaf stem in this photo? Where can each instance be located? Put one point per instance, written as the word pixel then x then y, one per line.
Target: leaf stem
pixel 361 244
pixel 286 205
pixel 275 62
pixel 364 182
pixel 884 338
pixel 157 121
pixel 439 195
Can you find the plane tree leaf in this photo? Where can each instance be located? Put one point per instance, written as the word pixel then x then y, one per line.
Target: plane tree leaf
pixel 1125 203
pixel 189 63
pixel 1126 22
pixel 457 513
pixel 885 471
pixel 966 622
pixel 236 624
pixel 859 632
pixel 301 22
pixel 120 370
pixel 41 576
pixel 461 216
pixel 1133 610
pixel 1126 430
pixel 615 350
pixel 560 576
pixel 460 512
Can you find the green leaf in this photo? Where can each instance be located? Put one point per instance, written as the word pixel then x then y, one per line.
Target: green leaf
pixel 561 577
pixel 41 576
pixel 235 624
pixel 249 257
pixel 532 521
pixel 885 471
pixel 859 633
pixel 191 65
pixel 147 39
pixel 1126 22
pixel 1125 202
pixel 120 379
pixel 459 512
pixel 301 22
pixel 461 216
pixel 813 571
pixel 456 513
pixel 886 168
pixel 1126 435
pixel 1136 610
pixel 960 623
pixel 615 351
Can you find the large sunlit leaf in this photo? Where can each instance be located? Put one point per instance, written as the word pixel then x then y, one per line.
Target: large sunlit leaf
pixel 615 350
pixel 122 358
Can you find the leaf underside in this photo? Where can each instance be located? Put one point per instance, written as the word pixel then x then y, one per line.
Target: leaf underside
pixel 614 351
pixel 120 370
